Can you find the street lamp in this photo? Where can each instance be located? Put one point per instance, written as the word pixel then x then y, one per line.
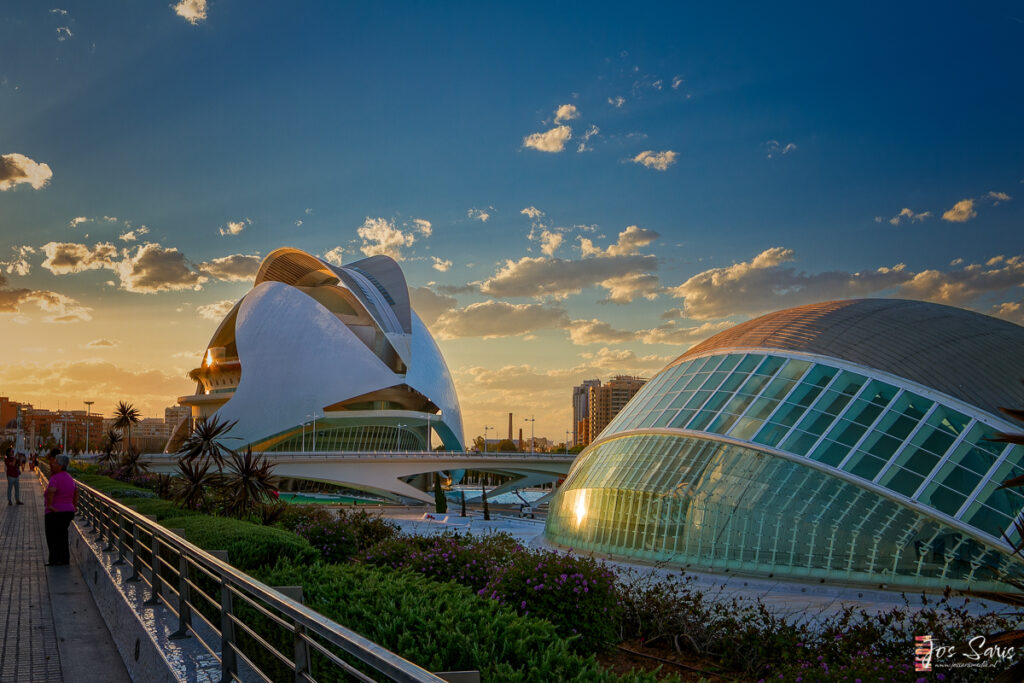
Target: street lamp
pixel 567 442
pixel 486 427
pixel 88 414
pixel 531 420
pixel 428 432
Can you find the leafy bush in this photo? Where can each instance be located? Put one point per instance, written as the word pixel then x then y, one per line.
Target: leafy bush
pixel 249 546
pixel 294 515
pixel 333 540
pixel 440 626
pixel 369 529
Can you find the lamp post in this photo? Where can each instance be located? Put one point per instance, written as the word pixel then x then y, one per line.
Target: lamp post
pixel 88 414
pixel 567 442
pixel 398 435
pixel 314 431
pixel 531 420
pixel 486 427
pixel 428 432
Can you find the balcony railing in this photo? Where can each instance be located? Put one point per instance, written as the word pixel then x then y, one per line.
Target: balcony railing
pixel 220 605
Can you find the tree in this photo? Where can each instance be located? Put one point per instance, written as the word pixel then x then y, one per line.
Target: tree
pixel 111 441
pixel 126 415
pixel 205 442
pixel 248 482
pixel 440 502
pixel 487 510
pixel 507 446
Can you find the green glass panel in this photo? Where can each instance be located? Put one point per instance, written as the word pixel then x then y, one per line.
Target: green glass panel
pixel 730 362
pixel 990 521
pixel 745 428
pixel 830 452
pixel 749 362
pixel 864 465
pixel 943 499
pixel 799 442
pixel 901 481
pixel 770 365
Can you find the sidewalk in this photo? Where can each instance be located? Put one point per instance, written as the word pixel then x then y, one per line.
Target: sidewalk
pixel 37 647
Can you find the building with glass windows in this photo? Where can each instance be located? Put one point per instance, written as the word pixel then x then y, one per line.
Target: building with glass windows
pixel 846 441
pixel 318 357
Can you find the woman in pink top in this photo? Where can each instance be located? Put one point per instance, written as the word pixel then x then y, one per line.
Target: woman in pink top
pixel 61 500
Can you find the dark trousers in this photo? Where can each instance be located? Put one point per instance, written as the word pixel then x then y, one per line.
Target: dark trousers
pixel 57 524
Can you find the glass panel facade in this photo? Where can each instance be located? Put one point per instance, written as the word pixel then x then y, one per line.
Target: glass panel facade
pixel 687 500
pixel 887 435
pixel 354 438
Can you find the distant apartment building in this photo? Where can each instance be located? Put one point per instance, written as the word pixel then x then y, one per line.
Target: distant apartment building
pixel 174 415
pixel 581 411
pixel 607 400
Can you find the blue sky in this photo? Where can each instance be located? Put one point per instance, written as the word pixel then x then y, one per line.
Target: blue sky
pixel 572 191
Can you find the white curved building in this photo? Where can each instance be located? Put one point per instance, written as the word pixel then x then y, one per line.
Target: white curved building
pixel 336 346
pixel 846 441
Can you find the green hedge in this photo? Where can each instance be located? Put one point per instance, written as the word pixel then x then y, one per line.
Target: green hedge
pixel 440 626
pixel 249 545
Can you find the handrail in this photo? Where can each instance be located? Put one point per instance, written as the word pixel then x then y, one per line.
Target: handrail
pixel 110 518
pixel 425 455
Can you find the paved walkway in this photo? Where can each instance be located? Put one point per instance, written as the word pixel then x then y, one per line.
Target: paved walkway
pixel 35 646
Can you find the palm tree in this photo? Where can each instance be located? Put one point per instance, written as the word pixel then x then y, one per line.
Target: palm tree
pixel 130 463
pixel 111 441
pixel 126 415
pixel 192 483
pixel 204 442
pixel 249 481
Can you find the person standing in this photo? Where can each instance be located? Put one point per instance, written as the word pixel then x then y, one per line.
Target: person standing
pixel 61 499
pixel 13 477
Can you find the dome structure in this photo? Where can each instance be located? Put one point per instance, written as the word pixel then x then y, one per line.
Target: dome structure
pixel 845 441
pixel 317 357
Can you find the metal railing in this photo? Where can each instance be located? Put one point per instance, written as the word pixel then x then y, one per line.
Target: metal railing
pixel 217 604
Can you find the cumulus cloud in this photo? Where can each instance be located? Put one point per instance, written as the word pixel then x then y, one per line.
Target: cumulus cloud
pixel 491 318
pixel 629 242
pixel 57 308
pixel 550 241
pixel 380 236
pixel 154 268
pixel 101 344
pixel 18 263
pixel 676 82
pixel 961 212
pixel 63 258
pixel 591 132
pixel 558 278
pixel 616 359
pixel 424 226
pixel 997 197
pixel 905 214
pixel 192 11
pixel 76 221
pixel 1010 310
pixel 594 331
pixel 18 168
pixel 624 289
pixel 674 334
pixel 659 161
pixel 775 148
pixel 234 227
pixel 334 256
pixel 532 212
pixel 549 141
pixel 429 305
pixel 566 112
pixel 216 311
pixel 617 101
pixel 61 12
pixel 442 265
pixel 133 235
pixel 764 284
pixel 63 33
pixel 233 268
pixel 481 215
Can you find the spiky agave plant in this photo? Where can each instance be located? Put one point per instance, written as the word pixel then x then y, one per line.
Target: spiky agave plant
pixel 205 442
pixel 192 484
pixel 249 482
pixel 111 440
pixel 130 463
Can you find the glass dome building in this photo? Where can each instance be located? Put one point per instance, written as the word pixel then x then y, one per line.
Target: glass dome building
pixel 845 441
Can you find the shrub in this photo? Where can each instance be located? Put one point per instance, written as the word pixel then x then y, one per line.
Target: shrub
pixel 249 546
pixel 439 626
pixel 294 515
pixel 369 529
pixel 335 541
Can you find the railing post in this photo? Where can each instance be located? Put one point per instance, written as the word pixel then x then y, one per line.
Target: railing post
pixel 154 558
pixel 184 598
pixel 228 662
pixel 136 557
pixel 303 662
pixel 120 539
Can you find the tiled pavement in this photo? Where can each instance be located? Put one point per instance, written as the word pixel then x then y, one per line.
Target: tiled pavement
pixel 31 643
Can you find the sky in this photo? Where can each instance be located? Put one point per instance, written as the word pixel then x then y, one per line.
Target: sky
pixel 573 191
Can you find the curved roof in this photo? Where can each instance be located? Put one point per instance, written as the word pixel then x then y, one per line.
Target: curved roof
pixel 973 357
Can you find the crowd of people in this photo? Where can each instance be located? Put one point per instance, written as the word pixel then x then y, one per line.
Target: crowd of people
pixel 60 499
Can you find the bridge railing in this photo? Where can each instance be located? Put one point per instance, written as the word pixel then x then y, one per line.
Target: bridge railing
pixel 430 455
pixel 229 612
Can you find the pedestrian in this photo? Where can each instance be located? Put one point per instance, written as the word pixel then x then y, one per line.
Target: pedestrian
pixel 13 477
pixel 61 500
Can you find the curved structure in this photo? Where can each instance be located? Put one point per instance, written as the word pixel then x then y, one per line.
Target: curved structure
pixel 847 440
pixel 323 358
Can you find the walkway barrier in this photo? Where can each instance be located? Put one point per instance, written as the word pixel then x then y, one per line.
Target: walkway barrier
pixel 253 630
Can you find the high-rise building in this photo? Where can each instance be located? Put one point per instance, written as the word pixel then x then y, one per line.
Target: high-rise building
pixel 580 411
pixel 173 415
pixel 605 402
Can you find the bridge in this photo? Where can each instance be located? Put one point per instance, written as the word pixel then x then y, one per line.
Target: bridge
pixel 388 473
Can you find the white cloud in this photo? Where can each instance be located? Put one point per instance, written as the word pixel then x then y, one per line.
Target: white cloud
pixel 334 256
pixel 61 12
pixel 549 242
pixel 591 132
pixel 1010 310
pixel 18 168
pixel 56 307
pixel 380 236
pixel 615 359
pixel 429 305
pixel 63 33
pixel 549 141
pixel 154 268
pixel 659 161
pixel 76 221
pixel 558 278
pixel 216 311
pixel 629 242
pixel 906 214
pixel 442 265
pixel 566 112
pixel 63 258
pixel 624 289
pixel 232 268
pixel 998 197
pixel 235 227
pixel 298 223
pixel 481 215
pixel 18 264
pixel 192 11
pixel 617 101
pixel 959 287
pixel 490 319
pixel 424 226
pixel 775 148
pixel 676 82
pixel 101 344
pixel 961 212
pixel 671 333
pixel 532 212
pixel 583 332
pixel 133 235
